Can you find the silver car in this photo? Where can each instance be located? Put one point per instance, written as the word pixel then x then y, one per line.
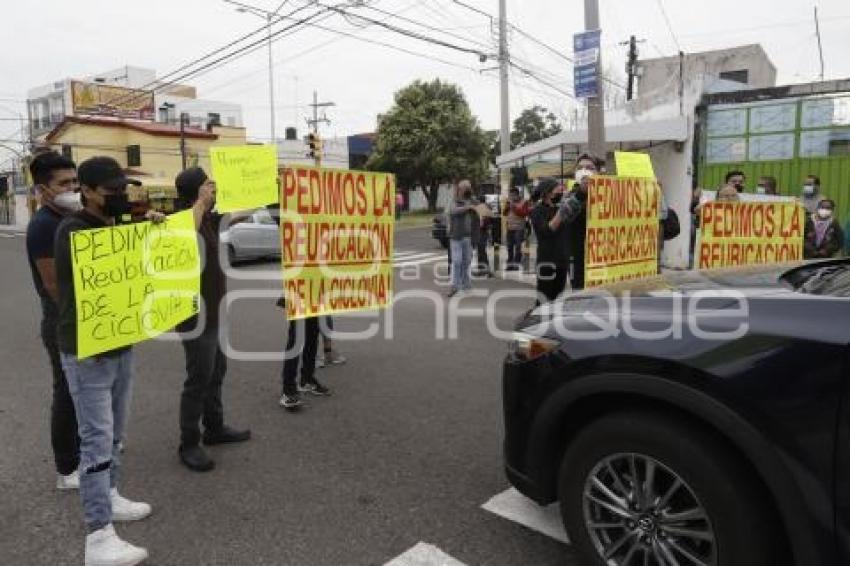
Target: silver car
pixel 256 237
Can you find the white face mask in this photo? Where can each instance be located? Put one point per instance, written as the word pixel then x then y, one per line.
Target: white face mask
pixel 583 174
pixel 808 190
pixel 68 202
pixel 825 213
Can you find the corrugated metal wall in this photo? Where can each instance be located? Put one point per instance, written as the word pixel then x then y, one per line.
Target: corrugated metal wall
pixel 834 173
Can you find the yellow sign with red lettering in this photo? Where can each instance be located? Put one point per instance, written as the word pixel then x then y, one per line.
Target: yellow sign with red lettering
pixel 336 228
pixel 622 229
pixel 749 233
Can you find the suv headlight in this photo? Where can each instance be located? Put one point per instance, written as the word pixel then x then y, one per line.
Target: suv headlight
pixel 529 347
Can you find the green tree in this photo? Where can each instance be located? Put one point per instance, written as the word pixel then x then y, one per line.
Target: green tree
pixel 430 137
pixel 534 124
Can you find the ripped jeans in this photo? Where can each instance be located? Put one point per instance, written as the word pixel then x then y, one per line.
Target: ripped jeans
pixel 101 388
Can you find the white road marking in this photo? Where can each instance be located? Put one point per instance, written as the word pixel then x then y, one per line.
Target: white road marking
pixel 417 256
pixel 411 258
pixel 424 554
pixel 514 506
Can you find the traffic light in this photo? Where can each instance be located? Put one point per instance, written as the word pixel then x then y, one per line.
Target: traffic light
pixel 314 143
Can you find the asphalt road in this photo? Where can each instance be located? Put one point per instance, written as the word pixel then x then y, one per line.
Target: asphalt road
pixel 406 450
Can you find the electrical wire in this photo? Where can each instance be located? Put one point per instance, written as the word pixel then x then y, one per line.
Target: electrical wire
pixel 669 25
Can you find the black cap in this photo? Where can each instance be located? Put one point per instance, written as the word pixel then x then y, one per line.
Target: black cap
pixel 189 182
pixel 547 185
pixel 103 172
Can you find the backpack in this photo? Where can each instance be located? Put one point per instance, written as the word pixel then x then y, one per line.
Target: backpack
pixel 670 226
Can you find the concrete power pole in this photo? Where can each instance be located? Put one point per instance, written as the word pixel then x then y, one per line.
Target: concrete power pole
pixel 595 105
pixel 504 69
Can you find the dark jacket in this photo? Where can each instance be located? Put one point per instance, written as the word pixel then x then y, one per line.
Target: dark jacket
pixel 832 243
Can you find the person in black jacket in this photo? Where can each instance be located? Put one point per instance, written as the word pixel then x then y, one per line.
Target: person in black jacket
pixel 823 235
pixel 550 220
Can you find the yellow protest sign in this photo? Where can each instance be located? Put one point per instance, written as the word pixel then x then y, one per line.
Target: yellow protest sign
pixel 622 229
pixel 134 282
pixel 749 233
pixel 337 229
pixel 634 164
pixel 245 176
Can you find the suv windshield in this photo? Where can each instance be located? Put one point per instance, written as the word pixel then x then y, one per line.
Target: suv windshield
pixel 824 278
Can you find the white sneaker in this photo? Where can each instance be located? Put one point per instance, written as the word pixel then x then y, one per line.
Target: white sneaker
pixel 105 548
pixel 125 510
pixel 71 481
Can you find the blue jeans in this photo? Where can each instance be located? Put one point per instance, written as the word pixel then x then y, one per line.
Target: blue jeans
pixel 515 238
pixel 461 262
pixel 101 388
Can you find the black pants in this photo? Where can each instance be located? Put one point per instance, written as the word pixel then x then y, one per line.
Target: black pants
pixel 302 341
pixel 577 273
pixel 201 398
pixel 551 279
pixel 481 251
pixel 63 417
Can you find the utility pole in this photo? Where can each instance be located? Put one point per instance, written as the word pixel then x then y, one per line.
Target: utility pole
pixel 183 118
pixel 504 69
pixel 269 17
pixel 314 124
pixel 820 45
pixel 595 106
pixel 631 65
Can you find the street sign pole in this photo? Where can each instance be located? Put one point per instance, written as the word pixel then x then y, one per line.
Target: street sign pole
pixel 595 105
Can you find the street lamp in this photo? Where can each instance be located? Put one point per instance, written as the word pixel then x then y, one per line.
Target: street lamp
pixel 268 16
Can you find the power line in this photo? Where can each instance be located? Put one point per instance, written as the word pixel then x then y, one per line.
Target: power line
pixel 669 25
pixel 159 84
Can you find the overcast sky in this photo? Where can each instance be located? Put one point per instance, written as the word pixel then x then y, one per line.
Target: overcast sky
pixel 64 38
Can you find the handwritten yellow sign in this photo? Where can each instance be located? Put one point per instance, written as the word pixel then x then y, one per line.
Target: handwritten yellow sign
pixel 749 233
pixel 134 282
pixel 633 164
pixel 622 229
pixel 336 240
pixel 245 176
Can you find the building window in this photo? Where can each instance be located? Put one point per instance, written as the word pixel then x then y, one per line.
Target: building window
pixel 741 76
pixel 66 151
pixel 214 119
pixel 134 156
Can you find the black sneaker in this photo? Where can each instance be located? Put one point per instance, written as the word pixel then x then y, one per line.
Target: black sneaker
pixel 290 402
pixel 313 387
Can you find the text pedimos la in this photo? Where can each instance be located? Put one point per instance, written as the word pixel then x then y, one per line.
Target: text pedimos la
pixel 315 191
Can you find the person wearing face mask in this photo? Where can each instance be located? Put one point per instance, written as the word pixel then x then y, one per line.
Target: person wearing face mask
pixel 463 226
pixel 736 179
pixel 55 179
pixel 767 186
pixel 823 236
pixel 575 216
pixel 101 385
pixel 206 364
pixel 811 196
pixel 550 220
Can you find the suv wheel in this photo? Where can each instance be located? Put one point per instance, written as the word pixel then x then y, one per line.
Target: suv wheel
pixel 643 489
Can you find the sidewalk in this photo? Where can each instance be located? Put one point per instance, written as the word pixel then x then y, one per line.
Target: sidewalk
pixel 21 217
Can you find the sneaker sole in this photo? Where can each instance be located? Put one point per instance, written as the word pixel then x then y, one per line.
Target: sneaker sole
pixel 127 562
pixel 127 519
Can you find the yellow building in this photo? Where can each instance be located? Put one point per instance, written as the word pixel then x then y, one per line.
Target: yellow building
pixel 149 151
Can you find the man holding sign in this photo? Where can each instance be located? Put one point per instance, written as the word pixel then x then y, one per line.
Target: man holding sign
pixel 205 362
pixel 100 386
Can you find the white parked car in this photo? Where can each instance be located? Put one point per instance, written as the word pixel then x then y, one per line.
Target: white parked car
pixel 256 237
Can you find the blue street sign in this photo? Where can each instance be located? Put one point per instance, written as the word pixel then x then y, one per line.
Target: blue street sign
pixel 586 65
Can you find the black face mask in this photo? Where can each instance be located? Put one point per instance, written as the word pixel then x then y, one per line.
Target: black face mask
pixel 116 205
pixel 556 199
